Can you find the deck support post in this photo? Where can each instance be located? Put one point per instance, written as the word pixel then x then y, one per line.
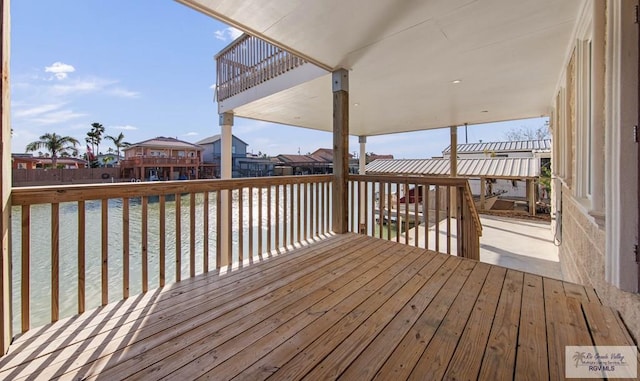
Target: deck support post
pixel 531 196
pixel 361 196
pixel 453 167
pixel 483 191
pixel 5 188
pixel 226 125
pixel 340 199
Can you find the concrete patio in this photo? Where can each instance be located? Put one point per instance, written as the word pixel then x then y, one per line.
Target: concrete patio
pixel 519 244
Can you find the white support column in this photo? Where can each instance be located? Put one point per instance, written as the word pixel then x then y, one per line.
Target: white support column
pixel 363 162
pixel 597 112
pixel 226 163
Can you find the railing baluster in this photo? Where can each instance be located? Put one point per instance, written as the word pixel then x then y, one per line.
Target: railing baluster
pixel 218 228
pixel 284 216
pixel 178 216
pixel 321 211
pixel 448 197
pixel 326 212
pixel 260 251
pixel 81 255
pixel 438 203
pixel 425 213
pixel 105 252
pixel 240 225
pixel 26 267
pixel 299 235
pixel 292 210
pixel 407 206
pixel 306 211
pixel 269 219
pixel 317 210
pixel 416 223
pixel 230 224
pixel 192 235
pixel 366 207
pixel 352 216
pixel 461 246
pixel 55 262
pixel 277 218
pixel 250 254
pixel 381 209
pixel 145 253
pixel 389 211
pixel 125 248
pixel 163 245
pixel 373 209
pixel 398 223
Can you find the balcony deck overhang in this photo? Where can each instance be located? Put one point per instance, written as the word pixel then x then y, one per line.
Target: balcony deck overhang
pixel 346 306
pixel 404 57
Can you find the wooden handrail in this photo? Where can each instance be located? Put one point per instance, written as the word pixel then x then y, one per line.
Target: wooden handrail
pixel 427 203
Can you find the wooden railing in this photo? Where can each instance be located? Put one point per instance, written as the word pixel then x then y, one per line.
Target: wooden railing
pixel 416 211
pixel 248 62
pixel 77 247
pixel 159 161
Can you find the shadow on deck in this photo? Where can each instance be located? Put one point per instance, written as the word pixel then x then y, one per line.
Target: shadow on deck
pixel 348 307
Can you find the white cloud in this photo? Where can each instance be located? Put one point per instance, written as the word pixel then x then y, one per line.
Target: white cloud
pixel 124 93
pixel 61 116
pixel 36 110
pixel 227 34
pixel 60 70
pixel 80 86
pixel 191 134
pixel 125 127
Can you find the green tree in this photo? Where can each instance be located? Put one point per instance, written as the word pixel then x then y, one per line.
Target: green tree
pixel 119 142
pixel 56 145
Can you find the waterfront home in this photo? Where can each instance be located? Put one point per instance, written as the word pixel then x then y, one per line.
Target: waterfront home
pixel 318 290
pixel 161 158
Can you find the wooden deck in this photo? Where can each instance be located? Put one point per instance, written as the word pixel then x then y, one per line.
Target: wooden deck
pixel 348 307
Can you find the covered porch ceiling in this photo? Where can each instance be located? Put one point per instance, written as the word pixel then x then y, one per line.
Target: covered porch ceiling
pixel 404 56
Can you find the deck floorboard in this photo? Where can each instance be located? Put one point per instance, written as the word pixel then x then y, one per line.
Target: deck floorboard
pixel 346 307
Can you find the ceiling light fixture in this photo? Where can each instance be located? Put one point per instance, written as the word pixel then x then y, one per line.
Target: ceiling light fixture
pixel 456 81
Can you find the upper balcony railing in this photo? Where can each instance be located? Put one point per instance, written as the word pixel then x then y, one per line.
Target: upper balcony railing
pixel 140 161
pixel 77 247
pixel 248 62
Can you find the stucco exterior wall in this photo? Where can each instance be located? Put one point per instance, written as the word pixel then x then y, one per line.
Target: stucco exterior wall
pixel 582 257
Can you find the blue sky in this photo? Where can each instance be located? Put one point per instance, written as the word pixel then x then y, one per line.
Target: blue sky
pixel 145 68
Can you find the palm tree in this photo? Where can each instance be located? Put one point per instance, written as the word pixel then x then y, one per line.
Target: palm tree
pixel 94 136
pixel 56 144
pixel 119 142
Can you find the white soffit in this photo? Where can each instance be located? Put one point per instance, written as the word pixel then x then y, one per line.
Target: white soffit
pixel 403 57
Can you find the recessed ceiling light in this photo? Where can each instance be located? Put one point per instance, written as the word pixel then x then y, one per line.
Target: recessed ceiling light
pixel 356 104
pixel 456 81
